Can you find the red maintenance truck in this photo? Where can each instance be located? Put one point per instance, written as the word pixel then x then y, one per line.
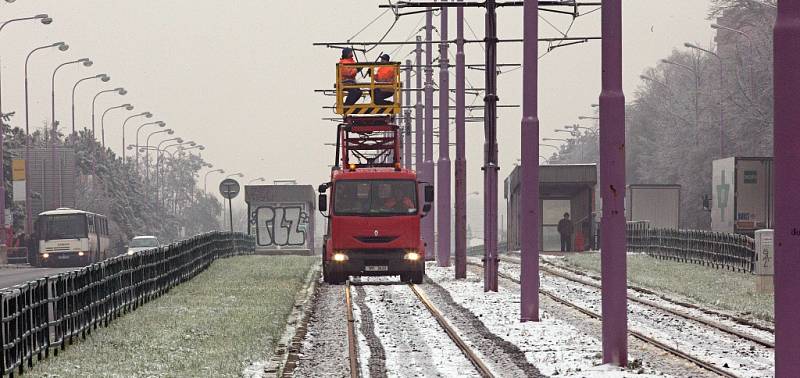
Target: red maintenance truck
pixel 374 209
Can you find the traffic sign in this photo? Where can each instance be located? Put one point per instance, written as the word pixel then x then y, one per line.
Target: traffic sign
pixel 229 188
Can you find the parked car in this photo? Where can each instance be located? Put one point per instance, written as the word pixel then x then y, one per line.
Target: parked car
pixel 141 243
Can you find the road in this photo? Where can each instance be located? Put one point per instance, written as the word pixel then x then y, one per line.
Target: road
pixel 14 276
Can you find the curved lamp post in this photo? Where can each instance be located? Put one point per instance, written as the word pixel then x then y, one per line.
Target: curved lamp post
pixel 103 77
pixel 142 114
pixel 86 63
pixel 159 123
pixel 28 211
pixel 260 179
pixel 127 107
pixel 147 152
pixel 721 96
pixel 205 180
pixel 120 91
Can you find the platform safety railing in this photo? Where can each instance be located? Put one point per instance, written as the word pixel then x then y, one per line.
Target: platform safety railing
pixel 45 315
pixel 368 86
pixel 716 249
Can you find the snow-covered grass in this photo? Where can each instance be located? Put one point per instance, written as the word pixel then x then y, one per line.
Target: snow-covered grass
pixel 211 326
pixel 724 289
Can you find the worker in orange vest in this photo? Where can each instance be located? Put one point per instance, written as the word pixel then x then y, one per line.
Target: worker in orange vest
pixel 384 75
pixel 349 76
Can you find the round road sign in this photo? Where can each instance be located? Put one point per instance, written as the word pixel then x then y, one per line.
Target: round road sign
pixel 229 188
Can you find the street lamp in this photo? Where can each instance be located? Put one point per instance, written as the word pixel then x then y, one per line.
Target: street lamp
pixel 120 91
pixel 199 147
pixel 238 174
pixel 696 91
pixel 145 114
pixel 205 180
pixel 555 140
pixel 648 78
pixel 159 123
pixel 28 211
pixel 260 179
pixel 86 63
pixel 588 117
pixel 103 77
pixel 752 47
pixel 721 96
pixel 147 152
pixel 127 107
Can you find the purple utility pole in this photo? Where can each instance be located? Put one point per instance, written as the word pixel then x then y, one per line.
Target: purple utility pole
pixel 461 153
pixel 529 206
pixel 407 131
pixel 612 184
pixel 418 110
pixel 428 223
pixel 443 170
pixel 787 182
pixel 490 166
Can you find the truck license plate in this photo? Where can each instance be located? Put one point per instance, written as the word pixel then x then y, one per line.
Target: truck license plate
pixel 382 268
pixel 63 257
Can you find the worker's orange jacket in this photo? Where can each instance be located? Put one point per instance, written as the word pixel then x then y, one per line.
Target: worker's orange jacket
pixel 385 75
pixel 348 73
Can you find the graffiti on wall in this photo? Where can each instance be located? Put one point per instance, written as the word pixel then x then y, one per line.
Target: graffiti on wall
pixel 283 225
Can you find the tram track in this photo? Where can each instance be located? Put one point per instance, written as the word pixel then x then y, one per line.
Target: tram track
pixel 704 364
pixel 716 325
pixel 481 367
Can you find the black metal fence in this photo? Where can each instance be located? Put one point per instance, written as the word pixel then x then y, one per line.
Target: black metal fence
pixel 720 250
pixel 45 315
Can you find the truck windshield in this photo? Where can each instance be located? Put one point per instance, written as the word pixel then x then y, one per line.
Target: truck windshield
pixel 375 197
pixel 69 226
pixel 144 243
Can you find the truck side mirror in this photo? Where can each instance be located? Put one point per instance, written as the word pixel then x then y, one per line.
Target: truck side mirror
pixel 429 193
pixel 322 205
pixel 707 203
pixel 426 208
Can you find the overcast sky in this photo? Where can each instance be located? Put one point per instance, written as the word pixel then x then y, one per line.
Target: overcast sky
pixel 238 76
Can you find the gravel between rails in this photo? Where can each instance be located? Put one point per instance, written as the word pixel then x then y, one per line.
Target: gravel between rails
pixel 325 346
pixel 415 345
pixel 374 353
pixel 732 353
pixel 505 358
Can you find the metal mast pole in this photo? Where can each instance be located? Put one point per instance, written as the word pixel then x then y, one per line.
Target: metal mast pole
pixel 444 169
pixel 529 207
pixel 418 110
pixel 407 131
pixel 612 180
pixel 428 223
pixel 490 167
pixel 461 154
pixel 787 180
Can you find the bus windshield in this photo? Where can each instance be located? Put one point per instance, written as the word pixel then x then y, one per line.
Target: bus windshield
pixel 375 197
pixel 68 226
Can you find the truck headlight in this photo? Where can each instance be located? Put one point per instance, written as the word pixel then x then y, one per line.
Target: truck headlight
pixel 412 256
pixel 46 255
pixel 340 257
pixel 81 254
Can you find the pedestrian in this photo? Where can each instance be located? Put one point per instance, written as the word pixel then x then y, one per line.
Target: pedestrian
pixel 565 229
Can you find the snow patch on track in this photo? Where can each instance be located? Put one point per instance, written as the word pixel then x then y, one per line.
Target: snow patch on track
pixel 553 346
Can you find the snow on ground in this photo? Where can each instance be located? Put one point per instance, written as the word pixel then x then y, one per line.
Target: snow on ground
pixel 733 353
pixel 413 342
pixel 695 312
pixel 553 346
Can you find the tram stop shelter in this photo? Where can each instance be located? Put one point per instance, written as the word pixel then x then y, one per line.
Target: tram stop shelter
pixel 281 218
pixel 562 189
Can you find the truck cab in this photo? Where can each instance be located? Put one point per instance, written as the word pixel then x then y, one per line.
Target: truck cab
pixel 374 224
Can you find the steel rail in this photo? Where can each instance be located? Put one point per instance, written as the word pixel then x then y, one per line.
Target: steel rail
pixel 736 319
pixel 482 368
pixel 638 335
pixel 352 342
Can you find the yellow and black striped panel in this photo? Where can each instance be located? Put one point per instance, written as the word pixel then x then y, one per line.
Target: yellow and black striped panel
pixel 370 110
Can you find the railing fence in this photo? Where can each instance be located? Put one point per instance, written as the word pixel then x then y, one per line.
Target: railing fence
pixel 47 314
